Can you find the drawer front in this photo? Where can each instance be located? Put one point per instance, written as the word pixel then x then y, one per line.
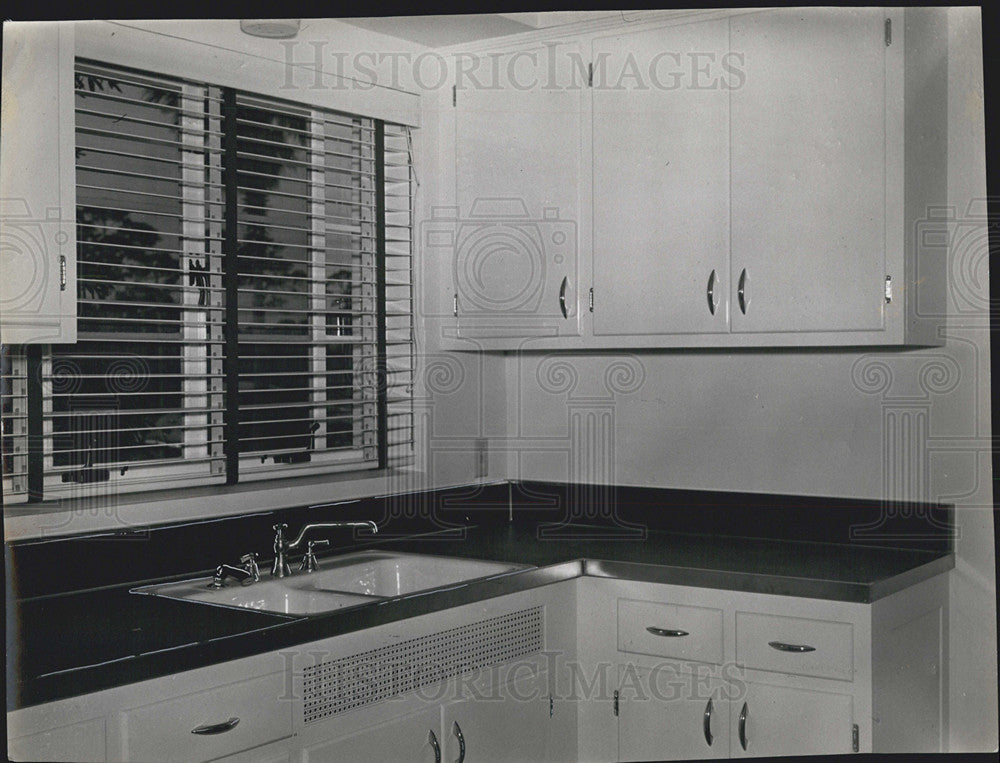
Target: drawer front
pixel 164 730
pixel 670 630
pixel 796 645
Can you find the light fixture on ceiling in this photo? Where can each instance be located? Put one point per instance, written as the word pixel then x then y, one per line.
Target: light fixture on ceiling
pixel 278 29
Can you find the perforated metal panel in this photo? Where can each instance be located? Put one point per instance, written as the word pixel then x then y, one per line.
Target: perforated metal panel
pixel 367 677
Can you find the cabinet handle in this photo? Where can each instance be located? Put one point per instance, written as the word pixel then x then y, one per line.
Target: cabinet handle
pixel 708 723
pixel 782 647
pixel 562 297
pixel 216 728
pixel 741 292
pixel 711 293
pixel 743 726
pixel 433 740
pixel 665 632
pixel 461 742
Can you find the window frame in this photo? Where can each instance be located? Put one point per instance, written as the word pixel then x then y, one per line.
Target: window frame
pixel 161 476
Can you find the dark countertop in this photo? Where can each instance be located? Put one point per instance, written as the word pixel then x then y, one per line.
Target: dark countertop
pixel 64 645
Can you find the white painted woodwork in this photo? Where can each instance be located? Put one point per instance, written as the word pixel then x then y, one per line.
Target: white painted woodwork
pixel 784 721
pixel 516 229
pixel 662 714
pixel 808 170
pixel 815 162
pixel 38 185
pixel 698 629
pixel 832 645
pixel 661 180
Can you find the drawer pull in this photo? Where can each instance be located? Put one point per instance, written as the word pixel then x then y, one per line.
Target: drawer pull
pixel 562 297
pixel 708 723
pixel 457 730
pixel 781 647
pixel 665 632
pixel 216 728
pixel 432 738
pixel 743 727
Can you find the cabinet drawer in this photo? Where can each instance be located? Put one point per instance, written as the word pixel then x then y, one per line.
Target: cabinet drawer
pixel 164 730
pixel 670 630
pixel 795 645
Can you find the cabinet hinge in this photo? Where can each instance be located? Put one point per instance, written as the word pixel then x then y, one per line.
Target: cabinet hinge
pixel 62 272
pixel 591 299
pixel 590 74
pixel 855 738
pixel 454 95
pixel 616 704
pixel 552 707
pixel 454 304
pixel 888 289
pixel 888 32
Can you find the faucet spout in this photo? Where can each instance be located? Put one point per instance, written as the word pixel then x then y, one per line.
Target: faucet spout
pixel 282 546
pixel 328 525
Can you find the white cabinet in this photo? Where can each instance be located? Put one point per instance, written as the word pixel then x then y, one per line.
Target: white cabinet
pixel 661 181
pixel 809 180
pixel 669 713
pixel 209 724
pixel 513 240
pixel 770 721
pixel 76 742
pixel 511 725
pixel 37 186
pixel 760 179
pixel 413 737
pixel 785 675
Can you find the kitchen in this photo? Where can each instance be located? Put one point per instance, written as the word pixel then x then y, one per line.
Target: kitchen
pixel 613 446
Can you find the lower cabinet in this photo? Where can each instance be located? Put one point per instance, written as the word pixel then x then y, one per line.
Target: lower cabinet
pixel 666 713
pixel 513 726
pixel 710 673
pixel 777 720
pixel 508 723
pixel 413 737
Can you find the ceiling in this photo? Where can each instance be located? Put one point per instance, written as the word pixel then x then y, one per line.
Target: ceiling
pixel 443 31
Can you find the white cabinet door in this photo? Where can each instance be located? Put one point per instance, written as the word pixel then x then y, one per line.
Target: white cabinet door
pixel 809 171
pixel 411 738
pixel 515 237
pixel 512 724
pixel 773 720
pixel 79 741
pixel 665 713
pixel 661 181
pixel 37 186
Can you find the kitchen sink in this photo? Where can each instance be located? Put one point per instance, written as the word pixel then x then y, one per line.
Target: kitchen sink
pixel 386 574
pixel 267 596
pixel 344 581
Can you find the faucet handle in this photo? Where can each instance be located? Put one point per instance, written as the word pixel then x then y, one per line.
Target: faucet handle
pixel 309 562
pixel 249 561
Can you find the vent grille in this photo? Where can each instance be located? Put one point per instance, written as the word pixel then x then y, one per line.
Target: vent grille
pixel 337 686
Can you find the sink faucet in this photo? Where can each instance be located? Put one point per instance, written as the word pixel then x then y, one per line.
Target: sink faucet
pixel 247 574
pixel 282 546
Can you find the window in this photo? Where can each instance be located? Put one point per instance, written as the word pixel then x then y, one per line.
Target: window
pixel 244 275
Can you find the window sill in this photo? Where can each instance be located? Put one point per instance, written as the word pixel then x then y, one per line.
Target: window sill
pixel 136 510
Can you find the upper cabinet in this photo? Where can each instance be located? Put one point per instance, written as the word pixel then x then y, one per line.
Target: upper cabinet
pixel 661 181
pixel 808 180
pixel 37 186
pixel 514 241
pixel 758 179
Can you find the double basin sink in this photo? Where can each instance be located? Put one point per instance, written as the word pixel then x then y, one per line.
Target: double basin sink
pixel 344 581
